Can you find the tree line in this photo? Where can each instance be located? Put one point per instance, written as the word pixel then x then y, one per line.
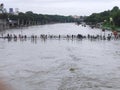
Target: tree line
pixel 109 17
pixel 29 18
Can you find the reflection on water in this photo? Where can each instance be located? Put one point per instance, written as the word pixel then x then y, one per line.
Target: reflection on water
pixel 60 64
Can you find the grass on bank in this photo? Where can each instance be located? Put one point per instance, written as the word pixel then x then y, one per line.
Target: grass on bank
pixel 111 27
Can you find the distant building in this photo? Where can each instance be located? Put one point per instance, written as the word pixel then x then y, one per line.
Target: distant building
pixel 76 17
pixel 16 11
pixel 79 18
pixel 11 11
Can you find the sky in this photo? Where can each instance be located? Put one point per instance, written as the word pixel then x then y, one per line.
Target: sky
pixel 62 7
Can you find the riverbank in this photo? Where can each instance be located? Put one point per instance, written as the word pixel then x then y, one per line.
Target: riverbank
pixel 105 26
pixel 14 26
pixel 109 27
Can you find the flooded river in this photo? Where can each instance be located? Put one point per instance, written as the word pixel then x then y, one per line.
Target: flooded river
pixel 60 64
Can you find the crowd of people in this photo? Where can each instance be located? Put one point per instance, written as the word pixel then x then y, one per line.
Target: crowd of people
pixel 78 36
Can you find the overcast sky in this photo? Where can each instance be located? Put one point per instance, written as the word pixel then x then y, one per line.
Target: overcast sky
pixel 62 7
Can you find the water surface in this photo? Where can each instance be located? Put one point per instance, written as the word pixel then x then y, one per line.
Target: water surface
pixel 47 64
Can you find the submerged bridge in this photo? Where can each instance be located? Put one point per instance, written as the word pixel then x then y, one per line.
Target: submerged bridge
pixel 58 37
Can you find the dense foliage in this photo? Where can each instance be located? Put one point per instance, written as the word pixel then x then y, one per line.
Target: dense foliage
pixel 30 17
pixel 3 16
pixel 105 17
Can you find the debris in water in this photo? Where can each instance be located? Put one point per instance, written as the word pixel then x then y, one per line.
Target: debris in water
pixel 72 69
